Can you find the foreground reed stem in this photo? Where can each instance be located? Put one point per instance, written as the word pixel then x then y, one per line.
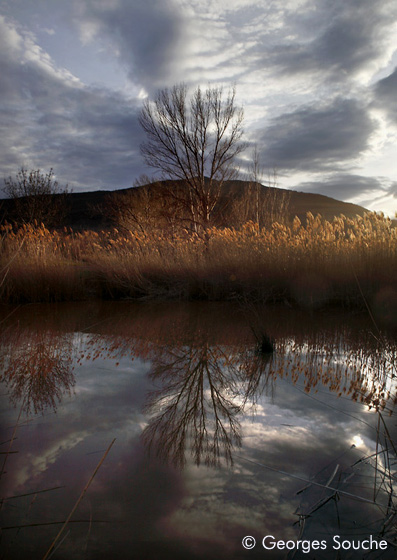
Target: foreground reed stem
pixel 78 501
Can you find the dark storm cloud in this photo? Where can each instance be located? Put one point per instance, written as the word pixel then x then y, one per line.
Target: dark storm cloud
pixel 89 136
pixel 146 35
pixel 345 186
pixel 337 39
pixel 386 94
pixel 97 135
pixel 316 138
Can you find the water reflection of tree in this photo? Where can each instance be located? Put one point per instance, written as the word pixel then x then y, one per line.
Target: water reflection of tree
pixel 37 367
pixel 258 374
pixel 204 387
pixel 198 403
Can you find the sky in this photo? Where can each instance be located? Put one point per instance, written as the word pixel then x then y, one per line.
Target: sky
pixel 317 81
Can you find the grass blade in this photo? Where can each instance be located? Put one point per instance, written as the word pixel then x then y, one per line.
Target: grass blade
pixel 45 557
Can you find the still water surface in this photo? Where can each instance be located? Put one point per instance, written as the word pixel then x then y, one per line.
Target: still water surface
pixel 217 436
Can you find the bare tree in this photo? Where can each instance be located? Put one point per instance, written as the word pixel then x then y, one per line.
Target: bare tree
pixel 275 203
pixel 264 204
pixel 37 197
pixel 196 141
pixel 256 174
pixel 132 211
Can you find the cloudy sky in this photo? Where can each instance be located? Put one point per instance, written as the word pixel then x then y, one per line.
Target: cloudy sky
pixel 317 80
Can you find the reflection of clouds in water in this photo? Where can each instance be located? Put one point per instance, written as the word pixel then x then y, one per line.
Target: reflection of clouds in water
pixel 39 461
pixel 307 427
pixel 273 438
pixel 358 441
pixel 226 370
pixel 104 402
pixel 281 425
pixel 235 497
pixel 314 445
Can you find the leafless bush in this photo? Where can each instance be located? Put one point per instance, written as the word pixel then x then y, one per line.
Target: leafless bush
pixel 37 197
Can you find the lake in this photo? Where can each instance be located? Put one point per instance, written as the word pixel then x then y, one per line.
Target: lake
pixel 240 431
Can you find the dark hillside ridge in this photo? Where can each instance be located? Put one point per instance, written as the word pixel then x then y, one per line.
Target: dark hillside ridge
pixel 328 207
pixel 300 203
pixel 84 209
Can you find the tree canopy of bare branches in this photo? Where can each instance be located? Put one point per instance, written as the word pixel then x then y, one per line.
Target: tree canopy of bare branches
pixel 37 197
pixel 196 140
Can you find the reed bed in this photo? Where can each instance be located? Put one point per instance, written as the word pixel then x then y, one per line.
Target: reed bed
pixel 349 261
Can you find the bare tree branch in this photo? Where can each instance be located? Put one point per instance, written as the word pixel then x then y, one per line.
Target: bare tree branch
pixel 197 142
pixel 37 197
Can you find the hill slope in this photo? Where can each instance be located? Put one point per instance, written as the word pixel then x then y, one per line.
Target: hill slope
pixel 84 209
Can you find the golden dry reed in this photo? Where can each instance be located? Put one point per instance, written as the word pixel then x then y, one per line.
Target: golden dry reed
pixel 347 261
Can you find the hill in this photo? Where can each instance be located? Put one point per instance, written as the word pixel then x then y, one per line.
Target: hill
pixel 87 210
